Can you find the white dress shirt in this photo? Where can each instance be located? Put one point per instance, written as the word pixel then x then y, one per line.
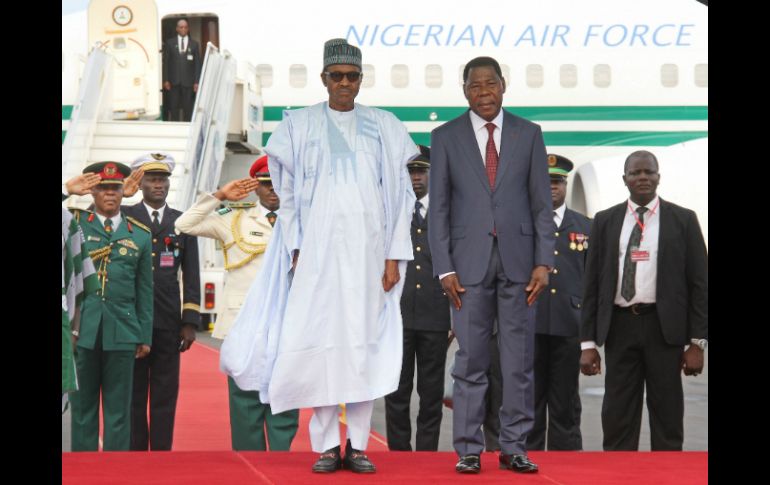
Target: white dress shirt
pixel 424 208
pixel 115 220
pixel 161 211
pixel 184 43
pixel 264 210
pixel 558 215
pixel 482 134
pixel 646 271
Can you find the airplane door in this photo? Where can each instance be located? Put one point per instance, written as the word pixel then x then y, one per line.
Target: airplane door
pixel 129 30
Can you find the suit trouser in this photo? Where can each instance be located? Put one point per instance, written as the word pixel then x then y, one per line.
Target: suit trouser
pixel 249 418
pixel 108 372
pixel 157 373
pixel 557 400
pixel 637 354
pixel 494 398
pixel 325 428
pixel 429 348
pixel 494 297
pixel 180 97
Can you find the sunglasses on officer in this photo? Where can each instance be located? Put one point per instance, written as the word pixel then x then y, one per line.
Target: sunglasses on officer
pixel 337 76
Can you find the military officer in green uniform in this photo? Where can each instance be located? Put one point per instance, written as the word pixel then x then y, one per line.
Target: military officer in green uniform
pixel 116 319
pixel 244 229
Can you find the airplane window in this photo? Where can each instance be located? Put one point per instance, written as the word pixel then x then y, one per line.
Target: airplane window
pixel 265 73
pixel 702 75
pixel 368 80
pixel 568 75
pixel 669 75
pixel 535 76
pixel 602 75
pixel 399 75
pixel 506 73
pixel 433 76
pixel 297 75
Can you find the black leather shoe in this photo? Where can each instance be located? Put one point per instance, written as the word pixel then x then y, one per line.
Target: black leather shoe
pixel 517 463
pixel 356 461
pixel 468 464
pixel 329 461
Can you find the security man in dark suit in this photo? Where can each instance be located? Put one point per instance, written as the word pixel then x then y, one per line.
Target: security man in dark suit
pixel 181 71
pixel 425 313
pixel 646 298
pixel 116 319
pixel 174 323
pixel 557 346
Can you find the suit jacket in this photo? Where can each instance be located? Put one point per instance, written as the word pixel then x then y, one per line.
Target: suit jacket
pixel 124 309
pixel 464 211
pixel 424 305
pixel 681 290
pixel 558 307
pixel 169 312
pixel 244 245
pixel 179 69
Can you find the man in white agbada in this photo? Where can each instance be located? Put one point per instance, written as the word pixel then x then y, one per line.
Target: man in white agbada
pixel 331 332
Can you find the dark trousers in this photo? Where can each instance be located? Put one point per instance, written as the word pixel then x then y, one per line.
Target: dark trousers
pixel 494 297
pixel 493 398
pixel 180 97
pixel 250 419
pixel 429 348
pixel 636 355
pixel 157 373
pixel 557 400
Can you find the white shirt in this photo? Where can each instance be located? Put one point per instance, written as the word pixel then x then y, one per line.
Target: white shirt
pixel 424 208
pixel 150 210
pixel 482 138
pixel 558 215
pixel 265 211
pixel 115 220
pixel 183 41
pixel 646 271
pixel 482 135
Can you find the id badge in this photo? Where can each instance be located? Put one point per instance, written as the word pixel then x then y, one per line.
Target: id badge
pixel 639 255
pixel 189 57
pixel 166 259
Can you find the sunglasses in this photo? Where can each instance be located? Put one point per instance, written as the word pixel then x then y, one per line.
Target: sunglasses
pixel 337 76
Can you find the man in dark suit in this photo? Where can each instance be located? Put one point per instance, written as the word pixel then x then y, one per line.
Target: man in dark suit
pixel 557 347
pixel 491 238
pixel 181 71
pixel 646 297
pixel 425 313
pixel 174 323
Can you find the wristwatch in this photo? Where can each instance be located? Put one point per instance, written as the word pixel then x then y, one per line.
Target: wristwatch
pixel 700 342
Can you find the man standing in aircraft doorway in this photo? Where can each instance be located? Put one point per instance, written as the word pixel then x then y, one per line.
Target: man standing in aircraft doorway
pixel 181 71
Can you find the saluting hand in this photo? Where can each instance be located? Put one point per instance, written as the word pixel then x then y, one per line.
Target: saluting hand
pixel 237 189
pixel 82 184
pixel 452 288
pixel 131 183
pixel 537 283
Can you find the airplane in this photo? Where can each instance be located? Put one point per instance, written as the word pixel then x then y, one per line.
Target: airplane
pixel 603 78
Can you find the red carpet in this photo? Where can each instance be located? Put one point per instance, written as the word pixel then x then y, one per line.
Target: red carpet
pixel 221 468
pixel 202 413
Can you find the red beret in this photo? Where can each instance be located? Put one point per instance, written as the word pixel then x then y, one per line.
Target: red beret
pixel 259 169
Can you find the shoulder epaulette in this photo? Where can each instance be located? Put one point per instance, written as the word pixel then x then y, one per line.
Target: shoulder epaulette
pixel 224 210
pixel 242 205
pixel 138 224
pixel 77 211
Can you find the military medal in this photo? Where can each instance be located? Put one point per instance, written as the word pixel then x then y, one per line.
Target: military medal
pixel 123 251
pixel 580 238
pixel 572 244
pixel 585 242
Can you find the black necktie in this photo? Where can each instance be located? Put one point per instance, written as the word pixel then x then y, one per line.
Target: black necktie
pixel 271 217
pixel 108 226
pixel 155 220
pixel 418 219
pixel 184 41
pixel 628 283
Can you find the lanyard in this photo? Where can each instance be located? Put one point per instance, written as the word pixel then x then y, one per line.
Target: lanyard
pixel 640 223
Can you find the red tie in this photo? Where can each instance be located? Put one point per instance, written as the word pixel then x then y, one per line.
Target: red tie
pixel 491 158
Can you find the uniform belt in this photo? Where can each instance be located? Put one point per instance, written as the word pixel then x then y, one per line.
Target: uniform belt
pixel 636 308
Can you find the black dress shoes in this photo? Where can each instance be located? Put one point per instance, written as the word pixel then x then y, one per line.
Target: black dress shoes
pixel 468 464
pixel 329 461
pixel 517 463
pixel 356 461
